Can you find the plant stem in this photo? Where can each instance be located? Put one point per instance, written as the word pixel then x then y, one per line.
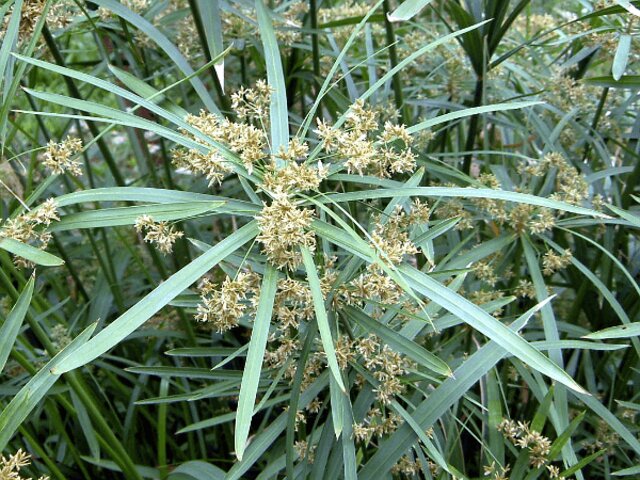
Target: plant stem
pixel 393 59
pixel 473 126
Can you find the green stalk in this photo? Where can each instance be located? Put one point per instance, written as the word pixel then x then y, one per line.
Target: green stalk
pixel 473 126
pixel 315 46
pixel 393 59
pixel 162 430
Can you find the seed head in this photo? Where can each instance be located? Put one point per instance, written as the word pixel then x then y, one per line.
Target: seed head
pixel 59 156
pixel 159 233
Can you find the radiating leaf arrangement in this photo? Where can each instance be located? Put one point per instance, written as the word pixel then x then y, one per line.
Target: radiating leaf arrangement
pixel 323 239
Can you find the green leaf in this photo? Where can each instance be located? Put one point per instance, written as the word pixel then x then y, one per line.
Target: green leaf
pixel 564 438
pixel 621 57
pixel 146 91
pixel 151 195
pixel 165 44
pixel 9 39
pixel 321 316
pixel 37 387
pixel 133 318
pixel 468 112
pixel 279 115
pixel 629 7
pixel 212 24
pixel 11 326
pixel 621 331
pixel 489 326
pixel 627 472
pixel 175 115
pixel 263 440
pixel 399 343
pixel 111 217
pixel 33 254
pixel 255 357
pixel 196 470
pixel 628 216
pixel 581 464
pixel 407 10
pixel 626 81
pixel 458 192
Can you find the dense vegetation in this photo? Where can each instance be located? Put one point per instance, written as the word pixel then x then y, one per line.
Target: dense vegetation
pixel 324 239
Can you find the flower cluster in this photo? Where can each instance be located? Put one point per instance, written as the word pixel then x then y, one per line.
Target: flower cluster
pixel 59 156
pixel 253 103
pixel 454 208
pixel 376 424
pixel 59 15
pixel 372 285
pixel 521 435
pixel 294 305
pixel 361 151
pixel 160 234
pixel 222 306
pixel 604 438
pixel 386 365
pixel 484 271
pixel 407 467
pixel 284 228
pixel 10 467
pixel 392 236
pixel 564 91
pixel 28 227
pixel 243 139
pixel 571 187
pixel 349 9
pixel 496 209
pixel 552 262
pixel 496 472
pixel 304 450
pixel 293 177
pixel 525 289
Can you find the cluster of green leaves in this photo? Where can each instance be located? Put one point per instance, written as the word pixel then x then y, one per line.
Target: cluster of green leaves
pixel 105 370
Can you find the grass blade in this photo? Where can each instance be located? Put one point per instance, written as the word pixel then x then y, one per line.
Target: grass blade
pixel 407 10
pixel 165 44
pixel 489 326
pixel 255 357
pixel 33 254
pixel 622 331
pixel 321 316
pixel 279 115
pixel 133 318
pixel 111 217
pixel 11 326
